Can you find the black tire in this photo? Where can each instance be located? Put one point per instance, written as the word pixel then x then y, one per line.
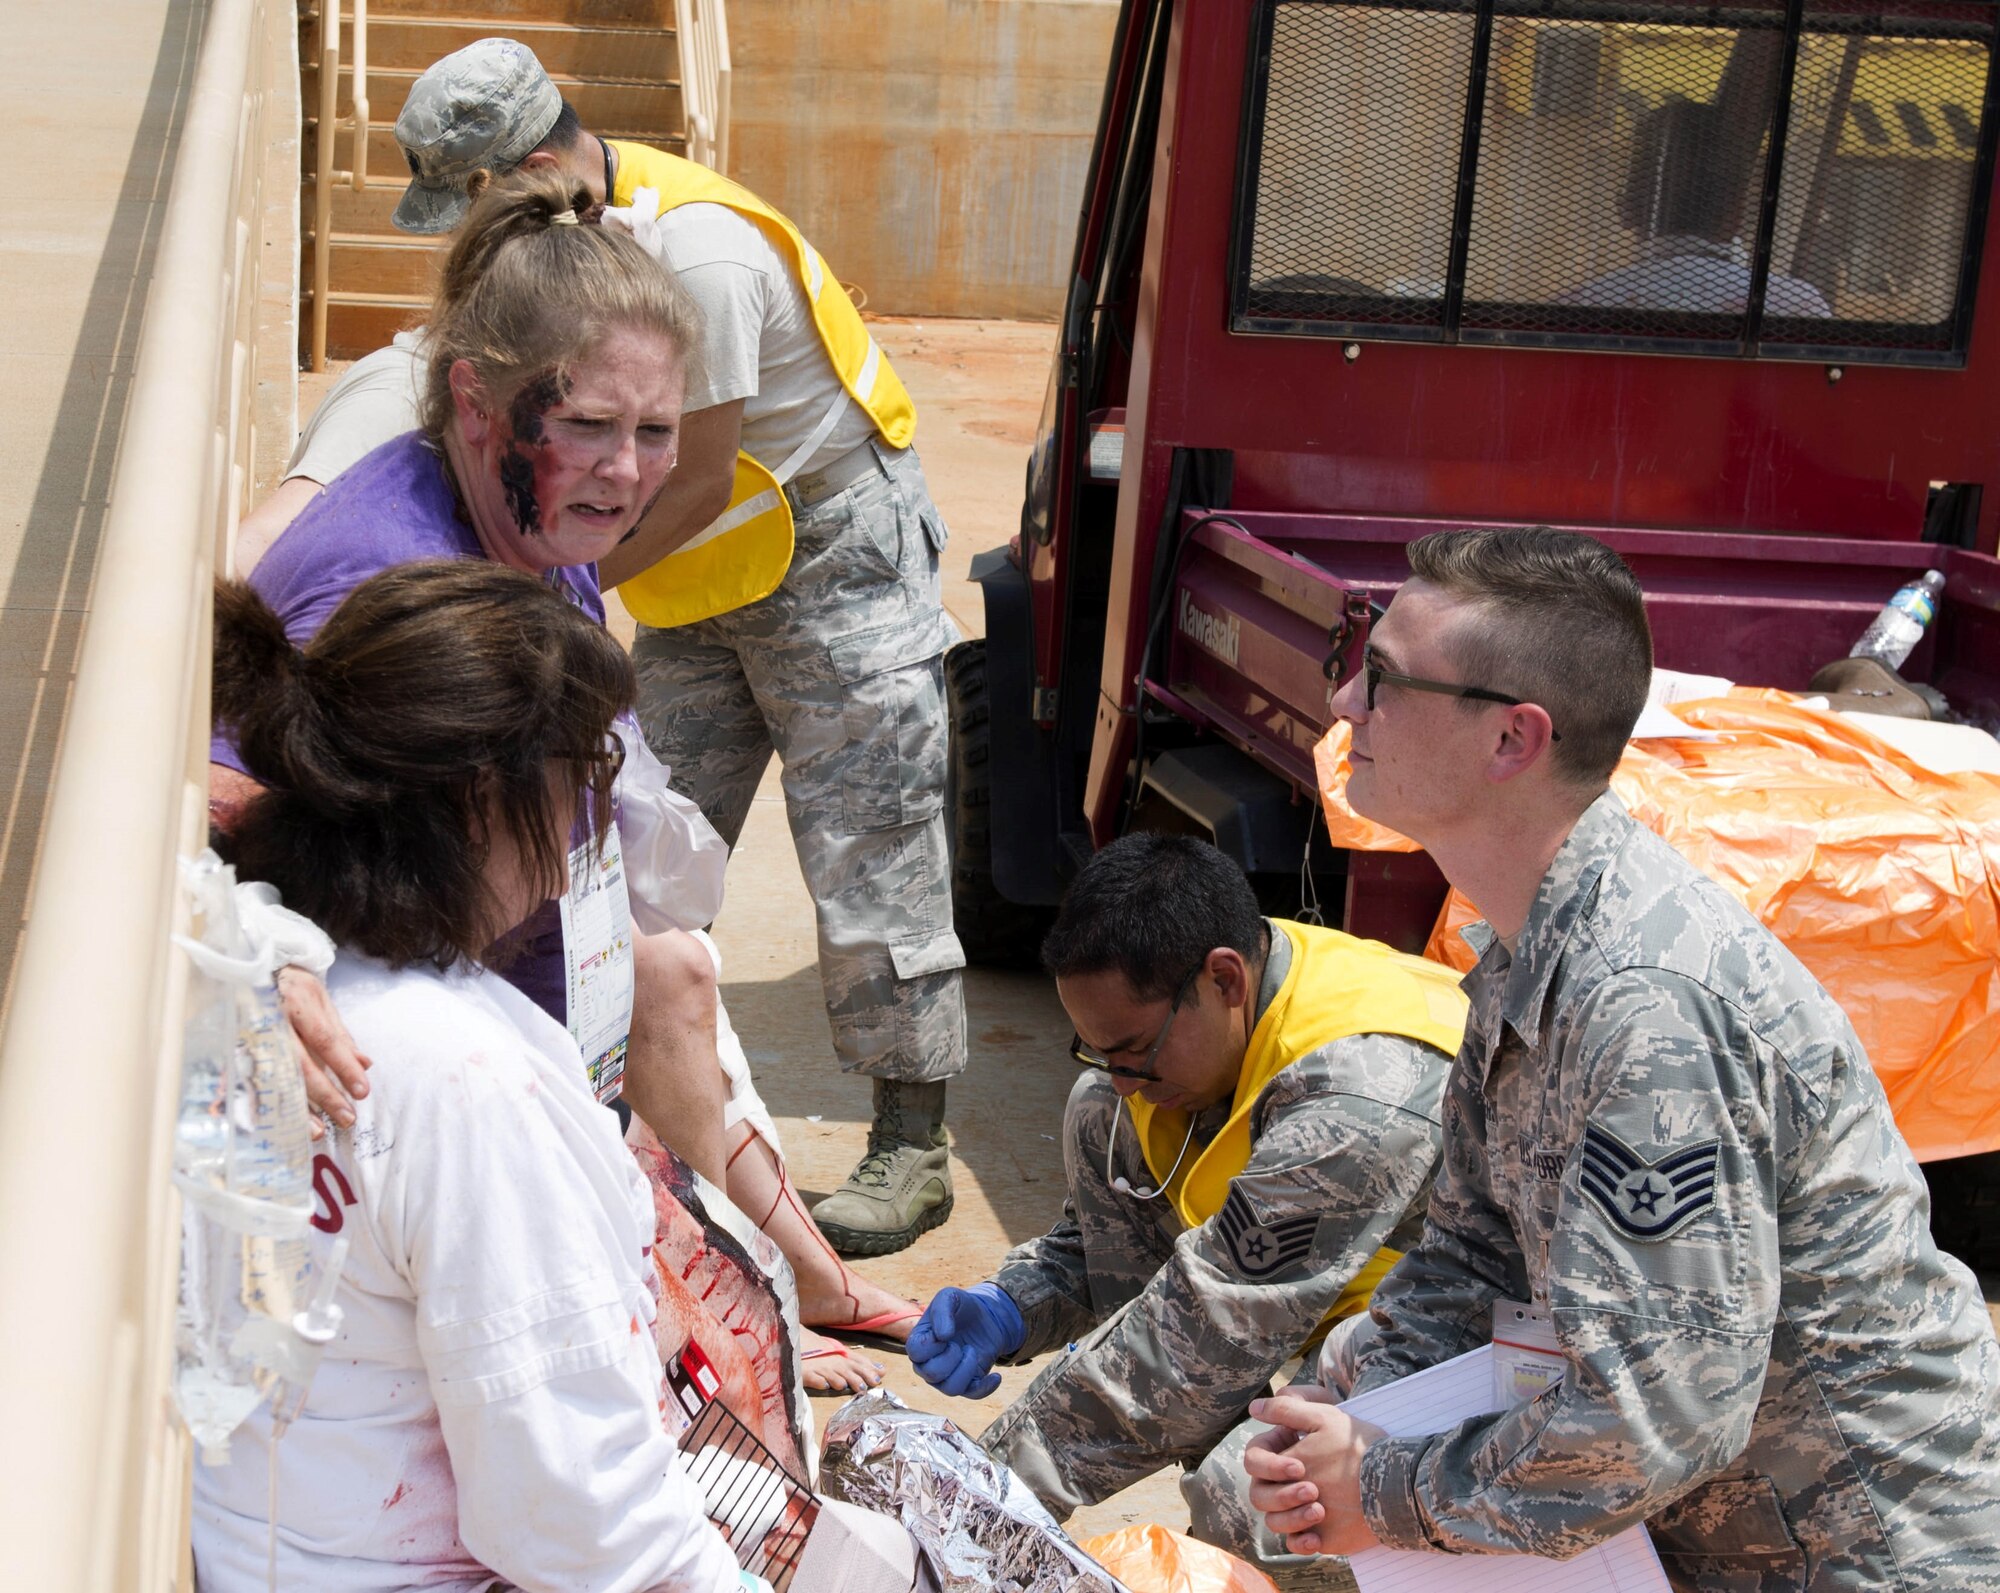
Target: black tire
pixel 1965 1210
pixel 995 932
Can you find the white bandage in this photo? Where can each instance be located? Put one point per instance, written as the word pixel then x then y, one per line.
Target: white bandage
pixel 294 940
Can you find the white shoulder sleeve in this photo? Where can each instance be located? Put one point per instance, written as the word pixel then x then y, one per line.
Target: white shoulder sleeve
pixel 576 1484
pixel 510 1212
pixel 376 398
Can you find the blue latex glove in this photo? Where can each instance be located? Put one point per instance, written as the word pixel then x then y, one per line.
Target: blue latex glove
pixel 960 1335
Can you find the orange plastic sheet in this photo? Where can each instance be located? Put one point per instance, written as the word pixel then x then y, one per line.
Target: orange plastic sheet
pixel 1881 876
pixel 1150 1559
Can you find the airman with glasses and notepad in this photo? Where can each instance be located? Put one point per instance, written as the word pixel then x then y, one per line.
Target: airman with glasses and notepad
pixel 1662 1138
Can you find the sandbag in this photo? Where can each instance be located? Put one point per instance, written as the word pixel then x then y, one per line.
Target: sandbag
pixel 1881 876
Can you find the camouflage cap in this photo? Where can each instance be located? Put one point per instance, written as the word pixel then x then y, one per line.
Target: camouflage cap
pixel 483 107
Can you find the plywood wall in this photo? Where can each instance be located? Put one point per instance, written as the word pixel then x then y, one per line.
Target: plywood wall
pixel 933 150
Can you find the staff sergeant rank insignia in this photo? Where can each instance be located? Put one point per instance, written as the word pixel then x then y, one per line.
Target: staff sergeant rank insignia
pixel 1648 1200
pixel 1259 1248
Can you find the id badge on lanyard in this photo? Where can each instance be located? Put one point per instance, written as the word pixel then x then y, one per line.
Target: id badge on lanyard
pixel 597 961
pixel 1527 1360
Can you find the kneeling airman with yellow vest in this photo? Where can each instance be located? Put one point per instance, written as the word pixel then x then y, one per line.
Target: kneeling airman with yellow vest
pixel 1252 1138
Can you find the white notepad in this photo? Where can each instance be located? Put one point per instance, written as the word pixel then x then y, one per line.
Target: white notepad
pixel 1439 1398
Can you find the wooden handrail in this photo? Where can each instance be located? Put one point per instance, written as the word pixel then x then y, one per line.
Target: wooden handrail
pixel 329 99
pixel 701 32
pixel 93 1476
pixel 330 123
pixel 358 29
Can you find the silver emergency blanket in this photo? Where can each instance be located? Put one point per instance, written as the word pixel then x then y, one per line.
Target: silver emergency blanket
pixel 979 1527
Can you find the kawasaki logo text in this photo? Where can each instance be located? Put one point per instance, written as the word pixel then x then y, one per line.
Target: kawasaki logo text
pixel 1211 632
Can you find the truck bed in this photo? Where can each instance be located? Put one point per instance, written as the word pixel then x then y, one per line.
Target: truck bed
pixel 1269 613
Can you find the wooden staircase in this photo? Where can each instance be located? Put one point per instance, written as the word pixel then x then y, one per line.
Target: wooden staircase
pixel 616 61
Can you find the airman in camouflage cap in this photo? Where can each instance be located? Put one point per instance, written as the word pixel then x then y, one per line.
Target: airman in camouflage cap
pixel 1662 1131
pixel 840 671
pixel 482 108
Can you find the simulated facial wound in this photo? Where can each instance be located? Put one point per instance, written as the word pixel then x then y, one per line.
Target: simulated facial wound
pixel 578 457
pixel 518 471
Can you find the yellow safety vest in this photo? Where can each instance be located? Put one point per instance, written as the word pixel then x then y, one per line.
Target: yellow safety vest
pixel 1337 986
pixel 744 554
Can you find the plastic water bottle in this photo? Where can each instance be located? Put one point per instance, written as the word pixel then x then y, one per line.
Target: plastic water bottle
pixel 242 1130
pixel 1894 633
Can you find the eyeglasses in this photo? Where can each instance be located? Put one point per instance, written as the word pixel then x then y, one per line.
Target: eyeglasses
pixel 1373 674
pixel 1090 1057
pixel 611 756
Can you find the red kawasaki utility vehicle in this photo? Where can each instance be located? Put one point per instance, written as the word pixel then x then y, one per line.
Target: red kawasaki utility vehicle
pixel 1702 279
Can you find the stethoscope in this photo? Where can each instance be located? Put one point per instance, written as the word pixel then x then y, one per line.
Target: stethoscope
pixel 1146 1191
pixel 1120 1183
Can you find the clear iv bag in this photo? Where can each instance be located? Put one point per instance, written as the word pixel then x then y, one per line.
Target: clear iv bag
pixel 243 1165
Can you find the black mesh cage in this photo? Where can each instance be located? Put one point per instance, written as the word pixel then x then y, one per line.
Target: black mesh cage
pixel 1804 180
pixel 763 1512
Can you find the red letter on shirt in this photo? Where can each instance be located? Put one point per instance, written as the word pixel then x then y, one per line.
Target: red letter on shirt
pixel 326 1174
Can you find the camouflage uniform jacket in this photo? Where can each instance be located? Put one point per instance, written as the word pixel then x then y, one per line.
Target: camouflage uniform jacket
pixel 1179 1329
pixel 1663 1130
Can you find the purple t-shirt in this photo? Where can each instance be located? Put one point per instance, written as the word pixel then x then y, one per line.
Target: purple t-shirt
pixel 396 507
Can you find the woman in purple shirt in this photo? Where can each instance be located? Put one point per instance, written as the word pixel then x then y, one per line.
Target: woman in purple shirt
pixel 557 360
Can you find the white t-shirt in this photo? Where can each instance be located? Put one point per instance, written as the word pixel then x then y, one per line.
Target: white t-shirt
pixel 375 399
pixel 758 341
pixel 1697 275
pixel 490 1413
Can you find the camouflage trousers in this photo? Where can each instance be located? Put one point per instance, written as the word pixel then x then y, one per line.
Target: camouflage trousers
pixel 1217 1493
pixel 841 673
pixel 1076 1433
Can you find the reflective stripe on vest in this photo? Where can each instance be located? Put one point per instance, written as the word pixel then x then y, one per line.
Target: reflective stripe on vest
pixel 743 554
pixel 1337 986
pixel 772 497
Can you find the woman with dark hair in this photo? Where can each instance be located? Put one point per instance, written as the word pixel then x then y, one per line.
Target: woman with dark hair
pixel 492 1406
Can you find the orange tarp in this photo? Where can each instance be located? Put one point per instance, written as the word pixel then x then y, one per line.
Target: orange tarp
pixel 1150 1559
pixel 1882 877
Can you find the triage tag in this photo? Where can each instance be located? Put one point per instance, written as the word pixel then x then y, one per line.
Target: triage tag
pixel 1527 1361
pixel 692 1383
pixel 597 957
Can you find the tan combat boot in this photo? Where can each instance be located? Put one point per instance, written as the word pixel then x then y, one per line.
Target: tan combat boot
pixel 902 1187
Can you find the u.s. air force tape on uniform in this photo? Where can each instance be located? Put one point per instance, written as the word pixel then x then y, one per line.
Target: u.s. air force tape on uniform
pixel 1648 1200
pixel 1260 1248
